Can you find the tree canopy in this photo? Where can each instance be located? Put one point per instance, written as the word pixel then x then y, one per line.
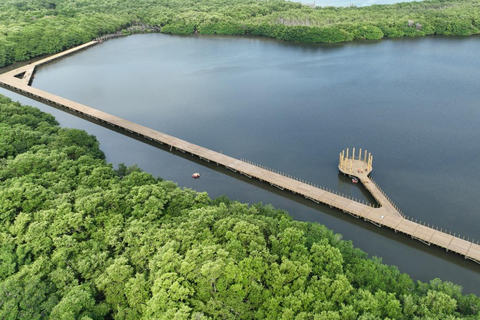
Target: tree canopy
pixel 80 239
pixel 29 28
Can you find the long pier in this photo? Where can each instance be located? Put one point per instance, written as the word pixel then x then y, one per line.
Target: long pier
pixel 27 72
pixel 385 214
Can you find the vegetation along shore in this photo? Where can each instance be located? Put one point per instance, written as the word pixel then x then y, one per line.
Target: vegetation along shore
pixel 32 28
pixel 82 240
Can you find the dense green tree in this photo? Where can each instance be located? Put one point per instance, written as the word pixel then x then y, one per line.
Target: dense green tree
pixel 36 27
pixel 81 240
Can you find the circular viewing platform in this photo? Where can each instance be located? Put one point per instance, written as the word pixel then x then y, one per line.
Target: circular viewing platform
pixel 355 165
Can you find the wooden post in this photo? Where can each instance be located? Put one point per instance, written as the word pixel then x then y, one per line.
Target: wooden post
pixel 360 154
pixel 347 153
pixel 353 154
pixel 365 157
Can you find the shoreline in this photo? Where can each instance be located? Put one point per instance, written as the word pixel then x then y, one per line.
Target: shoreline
pixel 154 29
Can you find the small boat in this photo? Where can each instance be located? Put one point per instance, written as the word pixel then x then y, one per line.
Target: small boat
pixel 196 175
pixel 354 180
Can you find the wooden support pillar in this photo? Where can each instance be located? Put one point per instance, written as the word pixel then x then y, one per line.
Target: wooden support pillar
pixel 360 154
pixel 347 153
pixel 353 154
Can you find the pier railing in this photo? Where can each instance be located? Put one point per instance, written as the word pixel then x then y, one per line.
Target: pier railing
pixel 429 225
pixel 432 226
pixel 387 197
pixel 362 201
pixel 424 232
pixel 373 205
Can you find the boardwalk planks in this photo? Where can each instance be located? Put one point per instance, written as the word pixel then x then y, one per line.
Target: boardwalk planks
pixel 387 214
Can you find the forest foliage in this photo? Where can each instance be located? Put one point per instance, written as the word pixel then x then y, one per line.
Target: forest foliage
pixel 82 240
pixel 29 28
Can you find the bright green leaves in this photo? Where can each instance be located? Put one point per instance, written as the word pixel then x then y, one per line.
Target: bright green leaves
pixel 27 294
pixel 79 138
pixel 8 258
pixel 326 259
pixel 80 240
pixel 77 303
pixel 371 274
pixel 112 283
pixel 27 33
pixel 436 304
pixel 148 200
pixel 169 292
pixel 137 291
pixel 369 32
pixel 18 138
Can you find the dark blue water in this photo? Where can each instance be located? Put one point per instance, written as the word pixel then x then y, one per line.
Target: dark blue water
pixel 413 103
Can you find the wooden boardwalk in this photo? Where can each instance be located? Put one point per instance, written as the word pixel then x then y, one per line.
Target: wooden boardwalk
pixel 386 214
pixel 26 72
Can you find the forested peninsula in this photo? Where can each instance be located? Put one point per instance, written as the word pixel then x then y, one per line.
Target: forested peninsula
pixel 30 28
pixel 82 240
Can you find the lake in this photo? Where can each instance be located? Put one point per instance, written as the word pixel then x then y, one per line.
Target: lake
pixel 413 103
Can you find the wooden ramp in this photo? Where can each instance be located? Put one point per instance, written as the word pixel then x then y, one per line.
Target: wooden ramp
pixel 386 214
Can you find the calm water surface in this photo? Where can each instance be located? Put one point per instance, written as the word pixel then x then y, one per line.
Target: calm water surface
pixel 413 103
